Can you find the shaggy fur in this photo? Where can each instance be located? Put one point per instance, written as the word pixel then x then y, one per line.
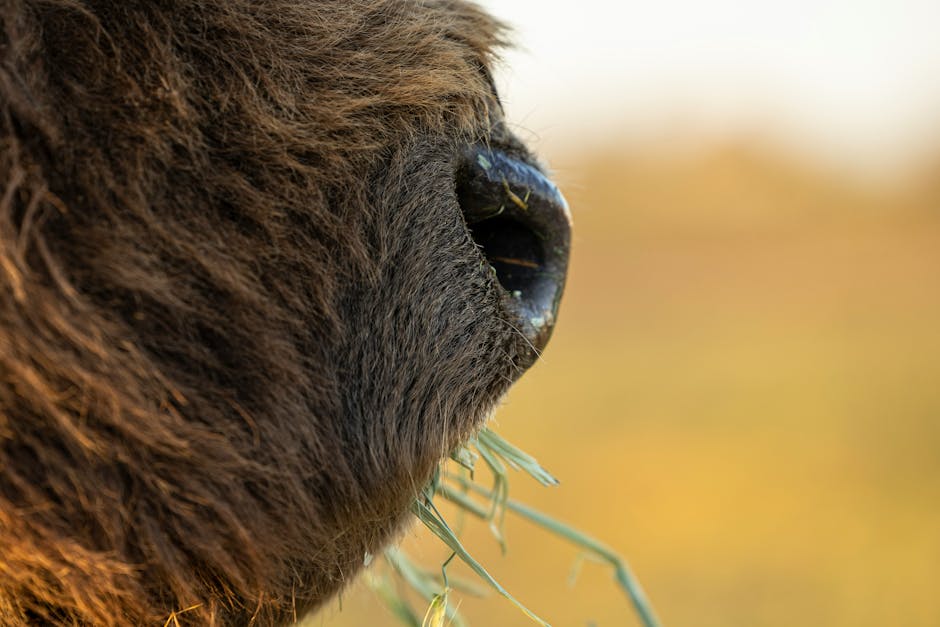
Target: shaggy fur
pixel 241 317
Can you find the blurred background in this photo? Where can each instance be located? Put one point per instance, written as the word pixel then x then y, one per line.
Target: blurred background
pixel 742 396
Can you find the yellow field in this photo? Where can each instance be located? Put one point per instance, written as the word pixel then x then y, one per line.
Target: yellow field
pixel 742 396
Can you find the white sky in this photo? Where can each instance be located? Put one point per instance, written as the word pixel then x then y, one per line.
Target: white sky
pixel 854 82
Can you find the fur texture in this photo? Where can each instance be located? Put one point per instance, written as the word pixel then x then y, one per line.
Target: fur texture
pixel 241 317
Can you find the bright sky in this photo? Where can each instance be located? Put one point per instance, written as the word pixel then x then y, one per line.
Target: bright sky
pixel 855 82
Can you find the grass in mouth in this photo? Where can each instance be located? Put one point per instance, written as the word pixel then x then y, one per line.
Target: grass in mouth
pixel 454 483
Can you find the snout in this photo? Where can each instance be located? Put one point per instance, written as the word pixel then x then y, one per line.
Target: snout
pixel 522 225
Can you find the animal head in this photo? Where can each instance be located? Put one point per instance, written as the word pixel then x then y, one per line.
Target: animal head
pixel 262 266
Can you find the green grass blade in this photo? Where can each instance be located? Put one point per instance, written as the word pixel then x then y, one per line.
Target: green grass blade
pixel 465 457
pixel 514 457
pixel 396 604
pixel 500 493
pixel 433 521
pixel 622 574
pixel 423 582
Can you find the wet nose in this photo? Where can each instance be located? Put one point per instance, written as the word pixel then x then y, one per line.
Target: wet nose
pixel 522 224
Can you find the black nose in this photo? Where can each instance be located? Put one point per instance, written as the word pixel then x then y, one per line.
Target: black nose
pixel 522 224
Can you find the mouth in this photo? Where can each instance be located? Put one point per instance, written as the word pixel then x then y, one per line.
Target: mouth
pixel 521 223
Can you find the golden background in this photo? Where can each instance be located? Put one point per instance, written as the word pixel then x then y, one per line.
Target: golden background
pixel 741 397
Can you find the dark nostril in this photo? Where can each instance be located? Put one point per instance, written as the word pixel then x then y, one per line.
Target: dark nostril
pixel 521 223
pixel 513 250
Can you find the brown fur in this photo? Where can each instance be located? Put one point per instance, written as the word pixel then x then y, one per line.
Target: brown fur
pixel 241 318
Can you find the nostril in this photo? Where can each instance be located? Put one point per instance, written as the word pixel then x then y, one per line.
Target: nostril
pixel 513 250
pixel 521 223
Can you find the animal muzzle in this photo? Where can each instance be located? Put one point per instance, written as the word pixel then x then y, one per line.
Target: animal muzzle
pixel 522 225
